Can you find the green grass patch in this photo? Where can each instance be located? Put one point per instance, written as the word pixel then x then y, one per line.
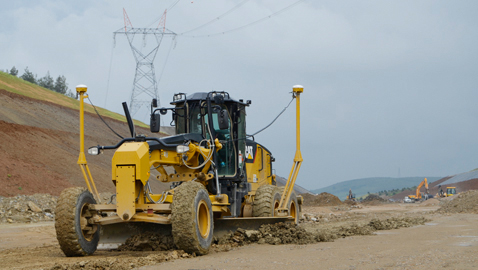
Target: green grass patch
pixel 21 87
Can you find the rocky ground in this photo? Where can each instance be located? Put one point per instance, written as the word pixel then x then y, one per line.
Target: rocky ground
pixel 27 238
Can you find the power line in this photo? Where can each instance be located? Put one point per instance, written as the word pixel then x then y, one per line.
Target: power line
pixel 109 74
pixel 218 17
pixel 166 60
pixel 247 25
pixel 174 4
pixel 168 9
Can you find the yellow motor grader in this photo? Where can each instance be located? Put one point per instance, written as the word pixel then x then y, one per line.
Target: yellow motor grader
pixel 220 178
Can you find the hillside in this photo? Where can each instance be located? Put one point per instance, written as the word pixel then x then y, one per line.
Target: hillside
pixel 18 86
pixel 36 132
pixel 373 184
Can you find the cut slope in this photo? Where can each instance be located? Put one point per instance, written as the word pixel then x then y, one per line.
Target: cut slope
pixel 40 144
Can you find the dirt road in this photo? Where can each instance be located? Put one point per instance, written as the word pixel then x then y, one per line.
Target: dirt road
pixel 449 242
pixel 446 241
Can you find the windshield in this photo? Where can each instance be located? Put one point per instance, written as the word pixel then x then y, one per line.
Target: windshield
pixel 196 122
pixel 226 156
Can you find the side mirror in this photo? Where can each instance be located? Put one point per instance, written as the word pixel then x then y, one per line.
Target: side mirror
pixel 154 123
pixel 223 119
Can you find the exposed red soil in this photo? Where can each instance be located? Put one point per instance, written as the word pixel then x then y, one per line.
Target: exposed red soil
pixel 40 146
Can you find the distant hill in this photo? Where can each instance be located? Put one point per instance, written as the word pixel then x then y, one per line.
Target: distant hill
pixel 362 186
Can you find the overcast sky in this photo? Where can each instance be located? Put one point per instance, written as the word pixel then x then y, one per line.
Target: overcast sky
pixel 389 86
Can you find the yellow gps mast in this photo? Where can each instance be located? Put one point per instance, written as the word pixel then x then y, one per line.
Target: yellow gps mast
pixel 81 90
pixel 289 186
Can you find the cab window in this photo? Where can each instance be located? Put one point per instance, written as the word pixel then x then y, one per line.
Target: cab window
pixel 227 155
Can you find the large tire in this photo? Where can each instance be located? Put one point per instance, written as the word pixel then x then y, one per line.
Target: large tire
pixel 267 199
pixel 294 209
pixel 192 218
pixel 75 236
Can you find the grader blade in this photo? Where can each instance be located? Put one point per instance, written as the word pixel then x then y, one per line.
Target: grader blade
pixel 113 235
pixel 223 226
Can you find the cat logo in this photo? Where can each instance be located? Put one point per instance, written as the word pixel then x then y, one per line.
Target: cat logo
pixel 249 152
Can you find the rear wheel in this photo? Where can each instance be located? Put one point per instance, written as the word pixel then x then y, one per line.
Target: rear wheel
pixel 76 233
pixel 267 199
pixel 192 218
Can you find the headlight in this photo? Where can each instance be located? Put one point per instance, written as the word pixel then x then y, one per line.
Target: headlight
pixel 94 150
pixel 182 149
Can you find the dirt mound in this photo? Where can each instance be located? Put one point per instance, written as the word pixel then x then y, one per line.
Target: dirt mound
pixel 322 199
pixel 351 202
pixel 26 209
pixel 430 202
pixel 466 202
pixel 148 242
pixel 373 199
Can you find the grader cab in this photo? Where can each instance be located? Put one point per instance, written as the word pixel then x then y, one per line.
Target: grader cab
pixel 219 178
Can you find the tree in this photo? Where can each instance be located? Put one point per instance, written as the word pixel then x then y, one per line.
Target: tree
pixel 14 71
pixel 29 77
pixel 47 82
pixel 70 94
pixel 60 85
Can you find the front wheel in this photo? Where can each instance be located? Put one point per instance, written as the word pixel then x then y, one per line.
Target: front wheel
pixel 294 209
pixel 76 234
pixel 192 218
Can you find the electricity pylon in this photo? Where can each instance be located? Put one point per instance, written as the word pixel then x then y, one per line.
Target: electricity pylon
pixel 145 86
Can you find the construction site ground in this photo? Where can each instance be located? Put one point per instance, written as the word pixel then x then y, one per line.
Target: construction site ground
pixel 443 240
pixel 40 143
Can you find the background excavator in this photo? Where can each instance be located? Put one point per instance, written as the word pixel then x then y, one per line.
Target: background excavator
pixel 219 178
pixel 418 195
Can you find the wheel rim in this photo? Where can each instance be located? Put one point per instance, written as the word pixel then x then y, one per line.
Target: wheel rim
pixel 203 218
pixel 293 210
pixel 276 205
pixel 88 230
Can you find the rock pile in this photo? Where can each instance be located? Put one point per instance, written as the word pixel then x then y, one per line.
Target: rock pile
pixel 27 208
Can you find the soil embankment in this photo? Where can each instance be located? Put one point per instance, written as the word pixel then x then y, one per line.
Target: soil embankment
pixel 40 146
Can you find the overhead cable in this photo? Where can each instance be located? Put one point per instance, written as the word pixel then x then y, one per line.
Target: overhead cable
pixel 218 17
pixel 168 9
pixel 247 25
